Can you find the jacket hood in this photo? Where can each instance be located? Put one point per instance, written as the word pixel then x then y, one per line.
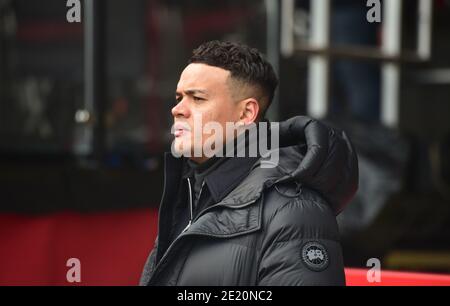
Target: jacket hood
pixel 324 160
pixel 315 156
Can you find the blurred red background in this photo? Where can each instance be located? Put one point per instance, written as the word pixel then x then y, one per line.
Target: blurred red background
pixel 112 249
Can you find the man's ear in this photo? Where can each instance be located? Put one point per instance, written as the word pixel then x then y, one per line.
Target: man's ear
pixel 249 111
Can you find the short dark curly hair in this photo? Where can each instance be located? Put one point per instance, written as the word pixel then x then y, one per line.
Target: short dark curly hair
pixel 246 65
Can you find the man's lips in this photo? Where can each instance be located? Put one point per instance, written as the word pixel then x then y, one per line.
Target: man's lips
pixel 179 133
pixel 179 129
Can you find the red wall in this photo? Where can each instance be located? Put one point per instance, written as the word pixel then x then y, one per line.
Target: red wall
pixel 358 277
pixel 112 248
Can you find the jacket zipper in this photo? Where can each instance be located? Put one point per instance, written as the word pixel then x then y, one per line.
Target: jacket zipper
pixel 184 230
pixel 190 223
pixel 190 206
pixel 191 201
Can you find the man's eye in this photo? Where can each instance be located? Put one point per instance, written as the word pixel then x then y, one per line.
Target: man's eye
pixel 198 99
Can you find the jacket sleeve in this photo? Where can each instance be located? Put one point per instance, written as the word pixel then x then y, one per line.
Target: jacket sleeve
pixel 149 266
pixel 301 246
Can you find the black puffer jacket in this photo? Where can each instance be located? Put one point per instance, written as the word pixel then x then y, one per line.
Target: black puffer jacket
pixel 276 227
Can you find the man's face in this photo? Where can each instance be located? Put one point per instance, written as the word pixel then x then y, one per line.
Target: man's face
pixel 203 92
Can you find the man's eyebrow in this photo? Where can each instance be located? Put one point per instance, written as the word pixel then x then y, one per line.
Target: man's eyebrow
pixel 192 92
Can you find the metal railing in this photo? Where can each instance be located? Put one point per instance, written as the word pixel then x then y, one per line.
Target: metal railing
pixel 390 55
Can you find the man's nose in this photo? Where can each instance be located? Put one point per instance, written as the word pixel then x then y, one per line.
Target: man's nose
pixel 180 109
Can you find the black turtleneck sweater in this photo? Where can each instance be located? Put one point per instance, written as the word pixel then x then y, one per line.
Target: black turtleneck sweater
pixel 198 172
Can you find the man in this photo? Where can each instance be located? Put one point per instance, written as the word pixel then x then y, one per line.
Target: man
pixel 229 221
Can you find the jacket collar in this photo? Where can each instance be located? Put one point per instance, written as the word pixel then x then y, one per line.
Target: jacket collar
pixel 241 209
pixel 225 178
pixel 234 186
